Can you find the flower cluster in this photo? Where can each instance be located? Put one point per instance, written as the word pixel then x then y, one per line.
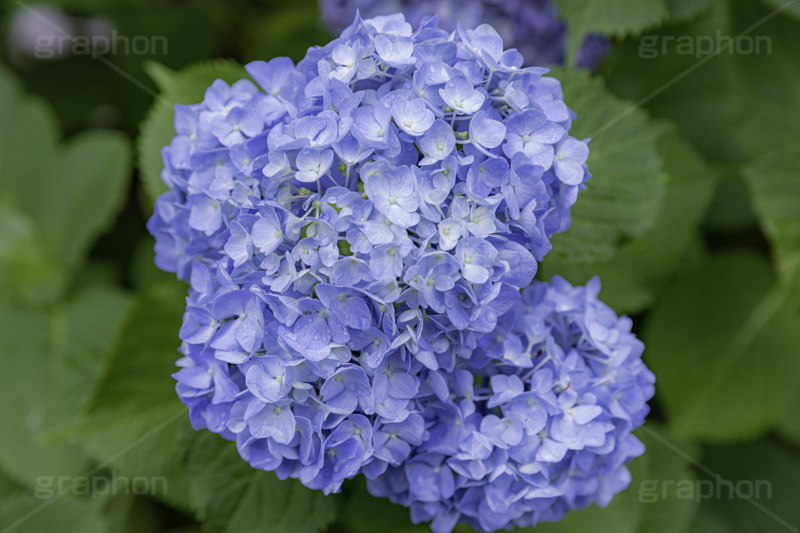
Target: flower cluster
pixel 537 420
pixel 360 235
pixel 417 173
pixel 531 26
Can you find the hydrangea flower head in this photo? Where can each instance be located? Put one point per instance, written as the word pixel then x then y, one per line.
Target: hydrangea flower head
pixel 535 422
pixel 531 26
pixel 421 171
pixel 356 229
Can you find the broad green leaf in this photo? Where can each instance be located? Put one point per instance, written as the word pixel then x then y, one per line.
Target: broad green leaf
pixel 82 333
pixel 144 271
pixel 763 481
pixel 52 361
pixel 769 111
pixel 789 8
pixel 790 427
pixel 28 514
pixel 664 510
pixel 231 496
pixel 71 192
pixel 28 271
pixel 26 410
pixel 275 32
pixel 128 513
pixel 361 511
pixel 623 198
pixel 189 32
pixel 8 487
pixel 633 277
pixel 683 10
pixel 84 190
pixel 157 130
pixel 616 18
pixel 28 143
pixel 151 443
pixel 660 251
pixel 135 422
pixel 672 73
pixel 103 270
pixel 731 209
pixel 723 344
pixel 707 521
pixel 144 354
pixel 774 180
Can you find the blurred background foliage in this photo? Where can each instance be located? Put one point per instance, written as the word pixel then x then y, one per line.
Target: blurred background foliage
pixel 692 220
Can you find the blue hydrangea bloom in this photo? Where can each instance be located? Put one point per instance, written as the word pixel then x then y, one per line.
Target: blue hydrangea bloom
pixel 533 421
pixel 531 26
pixel 360 232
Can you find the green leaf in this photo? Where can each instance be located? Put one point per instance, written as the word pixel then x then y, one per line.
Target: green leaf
pixel 185 87
pixel 82 193
pixel 231 496
pixel 27 514
pixel 25 337
pixel 707 521
pixel 625 193
pixel 774 180
pixel 28 143
pixel 731 209
pixel 663 70
pixel 790 427
pixel 8 487
pixel 615 18
pixel 27 269
pixel 151 443
pixel 144 355
pixel 723 345
pixel 52 362
pixel 763 481
pixel 767 107
pixel 128 513
pixel 144 271
pixel 633 277
pixel 789 8
pixel 683 10
pixel 135 422
pixel 663 508
pixel 71 193
pixel 82 334
pixel 275 33
pixel 361 511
